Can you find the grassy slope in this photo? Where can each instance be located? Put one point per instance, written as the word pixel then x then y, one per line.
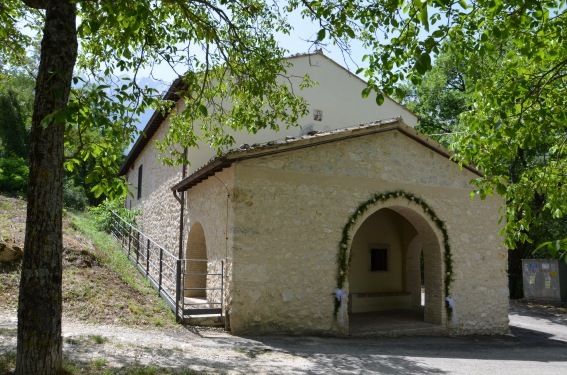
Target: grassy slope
pixel 99 283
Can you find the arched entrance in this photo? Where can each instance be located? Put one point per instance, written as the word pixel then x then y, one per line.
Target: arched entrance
pixel 196 262
pixel 395 271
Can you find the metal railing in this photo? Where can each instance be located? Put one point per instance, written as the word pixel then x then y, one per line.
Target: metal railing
pixel 209 298
pixel 152 260
pixel 167 273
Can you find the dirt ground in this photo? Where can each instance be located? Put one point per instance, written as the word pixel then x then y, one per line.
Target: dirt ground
pixel 92 290
pixel 537 344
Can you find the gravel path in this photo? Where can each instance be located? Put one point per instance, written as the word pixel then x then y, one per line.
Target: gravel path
pixel 537 344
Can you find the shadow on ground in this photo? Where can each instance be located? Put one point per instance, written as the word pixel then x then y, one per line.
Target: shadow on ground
pixel 205 350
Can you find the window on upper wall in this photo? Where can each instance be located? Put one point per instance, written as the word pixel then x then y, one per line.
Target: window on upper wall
pixel 379 259
pixel 140 182
pixel 317 115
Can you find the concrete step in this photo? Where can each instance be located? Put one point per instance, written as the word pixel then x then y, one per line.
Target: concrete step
pixel 432 330
pixel 204 320
pixel 202 311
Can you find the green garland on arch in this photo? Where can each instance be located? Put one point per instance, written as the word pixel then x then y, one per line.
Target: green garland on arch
pixel 382 197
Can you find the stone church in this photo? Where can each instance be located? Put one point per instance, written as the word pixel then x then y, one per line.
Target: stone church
pixel 352 223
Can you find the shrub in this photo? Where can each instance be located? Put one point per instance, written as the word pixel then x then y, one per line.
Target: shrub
pixel 102 213
pixel 14 174
pixel 552 250
pixel 74 196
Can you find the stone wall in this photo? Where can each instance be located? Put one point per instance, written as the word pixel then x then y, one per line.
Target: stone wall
pixel 337 95
pixel 209 204
pixel 158 209
pixel 290 210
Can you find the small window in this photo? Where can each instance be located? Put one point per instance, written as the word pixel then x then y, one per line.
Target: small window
pixel 318 115
pixel 140 182
pixel 379 259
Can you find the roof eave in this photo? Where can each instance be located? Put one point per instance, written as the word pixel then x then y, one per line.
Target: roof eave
pixel 220 163
pixel 151 127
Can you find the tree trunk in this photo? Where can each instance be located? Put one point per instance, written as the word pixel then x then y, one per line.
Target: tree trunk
pixel 515 278
pixel 39 311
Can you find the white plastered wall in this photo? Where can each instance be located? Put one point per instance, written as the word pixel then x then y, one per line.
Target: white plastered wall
pixel 337 94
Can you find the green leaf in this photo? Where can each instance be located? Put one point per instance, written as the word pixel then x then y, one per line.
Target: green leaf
pixel 350 32
pixel 379 99
pixel 438 33
pixel 423 63
pixel 424 17
pixel 203 110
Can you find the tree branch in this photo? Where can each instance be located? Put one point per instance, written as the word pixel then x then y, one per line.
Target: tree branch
pixel 36 4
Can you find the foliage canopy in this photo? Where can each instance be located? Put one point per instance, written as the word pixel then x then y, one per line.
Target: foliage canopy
pixel 514 56
pixel 223 51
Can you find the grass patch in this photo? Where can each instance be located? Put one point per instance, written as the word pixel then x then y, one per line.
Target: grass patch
pixel 9 285
pixel 100 284
pixel 7 363
pixel 8 331
pixel 98 339
pixel 99 363
pixel 71 340
pixel 112 255
pixel 100 366
pixel 135 308
pixel 151 370
pixel 140 304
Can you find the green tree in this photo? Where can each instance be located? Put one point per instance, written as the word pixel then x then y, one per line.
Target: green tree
pixel 513 52
pixel 13 145
pixel 13 132
pixel 231 54
pixel 84 132
pixel 16 99
pixel 94 145
pixel 439 99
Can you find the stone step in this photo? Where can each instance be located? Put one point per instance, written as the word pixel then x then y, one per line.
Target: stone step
pixel 432 330
pixel 205 320
pixel 202 311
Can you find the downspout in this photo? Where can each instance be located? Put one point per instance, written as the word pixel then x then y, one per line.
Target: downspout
pixel 181 199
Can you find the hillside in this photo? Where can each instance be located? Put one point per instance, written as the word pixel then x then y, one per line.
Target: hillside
pixel 99 283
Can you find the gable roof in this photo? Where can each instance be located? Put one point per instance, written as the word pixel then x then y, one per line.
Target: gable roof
pixel 319 52
pixel 177 86
pixel 313 139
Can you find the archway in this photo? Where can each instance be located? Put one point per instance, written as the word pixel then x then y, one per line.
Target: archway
pixel 384 271
pixel 196 262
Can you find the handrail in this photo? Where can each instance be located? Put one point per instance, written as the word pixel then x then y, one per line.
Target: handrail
pixel 164 270
pixel 145 235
